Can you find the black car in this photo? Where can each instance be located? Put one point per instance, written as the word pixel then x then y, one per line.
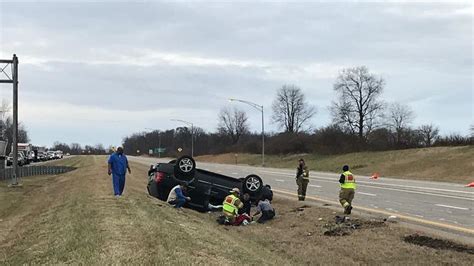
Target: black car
pixel 204 187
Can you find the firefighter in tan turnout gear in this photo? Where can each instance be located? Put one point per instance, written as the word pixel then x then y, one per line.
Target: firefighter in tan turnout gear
pixel 302 179
pixel 348 186
pixel 231 205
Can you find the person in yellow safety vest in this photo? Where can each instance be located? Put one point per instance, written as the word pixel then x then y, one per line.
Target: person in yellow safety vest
pixel 231 205
pixel 302 179
pixel 348 187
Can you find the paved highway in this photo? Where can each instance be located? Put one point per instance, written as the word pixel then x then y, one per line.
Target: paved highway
pixel 446 205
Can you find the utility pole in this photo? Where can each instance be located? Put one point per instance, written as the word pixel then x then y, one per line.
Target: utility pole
pixel 15 120
pixel 14 80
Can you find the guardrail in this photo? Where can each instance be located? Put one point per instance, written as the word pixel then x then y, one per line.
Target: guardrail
pixel 34 170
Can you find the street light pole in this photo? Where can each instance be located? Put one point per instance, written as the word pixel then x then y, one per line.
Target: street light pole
pixel 260 108
pixel 192 133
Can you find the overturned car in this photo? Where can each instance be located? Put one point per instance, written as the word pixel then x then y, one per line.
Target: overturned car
pixel 204 187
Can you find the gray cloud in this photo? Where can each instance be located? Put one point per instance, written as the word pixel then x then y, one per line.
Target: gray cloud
pixel 157 60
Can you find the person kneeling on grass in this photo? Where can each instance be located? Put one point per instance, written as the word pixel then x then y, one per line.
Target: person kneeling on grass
pixel 265 208
pixel 177 197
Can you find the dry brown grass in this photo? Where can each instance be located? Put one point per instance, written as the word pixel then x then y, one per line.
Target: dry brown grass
pixel 447 164
pixel 73 218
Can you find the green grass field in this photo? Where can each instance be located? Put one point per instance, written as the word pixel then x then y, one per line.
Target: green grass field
pixel 448 164
pixel 74 219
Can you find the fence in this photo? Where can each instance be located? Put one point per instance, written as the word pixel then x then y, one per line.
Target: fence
pixel 33 170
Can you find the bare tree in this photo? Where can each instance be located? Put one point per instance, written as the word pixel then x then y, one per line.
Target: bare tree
pixel 4 110
pixel 429 134
pixel 290 110
pixel 358 107
pixel 400 116
pixel 233 123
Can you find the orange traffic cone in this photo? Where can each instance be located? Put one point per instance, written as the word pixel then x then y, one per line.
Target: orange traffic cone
pixel 470 184
pixel 374 176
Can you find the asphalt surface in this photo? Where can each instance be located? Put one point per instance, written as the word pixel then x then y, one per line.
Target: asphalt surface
pixel 444 205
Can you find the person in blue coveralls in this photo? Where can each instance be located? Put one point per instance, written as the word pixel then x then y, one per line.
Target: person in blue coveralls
pixel 118 166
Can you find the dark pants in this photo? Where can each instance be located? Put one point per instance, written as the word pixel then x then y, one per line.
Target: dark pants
pixel 118 181
pixel 302 185
pixel 266 215
pixel 346 195
pixel 178 203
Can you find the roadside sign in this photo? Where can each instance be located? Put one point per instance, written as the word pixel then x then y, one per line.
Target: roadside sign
pixel 150 151
pixel 159 150
pixel 180 150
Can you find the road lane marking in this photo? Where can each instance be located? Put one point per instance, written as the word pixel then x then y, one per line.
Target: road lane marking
pixel 401 216
pixel 452 207
pixel 314 186
pixel 410 191
pixel 368 194
pixel 279 180
pixel 382 184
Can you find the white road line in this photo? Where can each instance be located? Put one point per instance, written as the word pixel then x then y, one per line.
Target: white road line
pixel 279 180
pixel 410 191
pixel 382 184
pixel 368 194
pixel 452 207
pixel 314 186
pixel 234 173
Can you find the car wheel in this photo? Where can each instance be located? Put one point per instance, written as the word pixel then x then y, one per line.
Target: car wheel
pixel 184 167
pixel 252 184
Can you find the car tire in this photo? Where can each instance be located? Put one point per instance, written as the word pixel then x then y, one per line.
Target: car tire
pixel 252 184
pixel 185 167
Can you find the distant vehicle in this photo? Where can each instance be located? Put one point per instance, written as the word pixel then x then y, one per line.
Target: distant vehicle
pixel 21 159
pixel 25 149
pixel 68 154
pixel 204 187
pixel 51 155
pixel 59 154
pixel 42 156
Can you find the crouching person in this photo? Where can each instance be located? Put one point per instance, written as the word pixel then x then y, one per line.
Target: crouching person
pixel 231 206
pixel 266 210
pixel 177 197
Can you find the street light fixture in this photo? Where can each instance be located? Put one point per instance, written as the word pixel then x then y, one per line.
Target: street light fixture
pixel 260 108
pixel 192 133
pixel 159 140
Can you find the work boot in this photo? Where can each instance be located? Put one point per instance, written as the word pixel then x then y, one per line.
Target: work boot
pixel 349 209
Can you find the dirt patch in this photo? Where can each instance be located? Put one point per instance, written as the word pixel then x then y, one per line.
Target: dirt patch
pixel 344 225
pixel 440 244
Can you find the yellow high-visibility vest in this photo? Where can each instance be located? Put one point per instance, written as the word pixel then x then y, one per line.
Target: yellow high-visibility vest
pixel 349 180
pixel 229 204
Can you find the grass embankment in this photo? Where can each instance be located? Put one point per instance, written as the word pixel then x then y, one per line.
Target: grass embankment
pixel 447 164
pixel 73 218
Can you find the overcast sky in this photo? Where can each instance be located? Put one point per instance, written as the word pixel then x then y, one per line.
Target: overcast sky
pixel 96 72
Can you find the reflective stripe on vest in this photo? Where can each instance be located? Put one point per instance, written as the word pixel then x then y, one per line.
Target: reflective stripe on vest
pixel 349 180
pixel 229 204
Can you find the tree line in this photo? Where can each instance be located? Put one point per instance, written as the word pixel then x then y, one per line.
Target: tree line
pixel 361 121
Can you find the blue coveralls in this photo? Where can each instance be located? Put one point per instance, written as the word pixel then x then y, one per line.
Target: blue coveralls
pixel 119 165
